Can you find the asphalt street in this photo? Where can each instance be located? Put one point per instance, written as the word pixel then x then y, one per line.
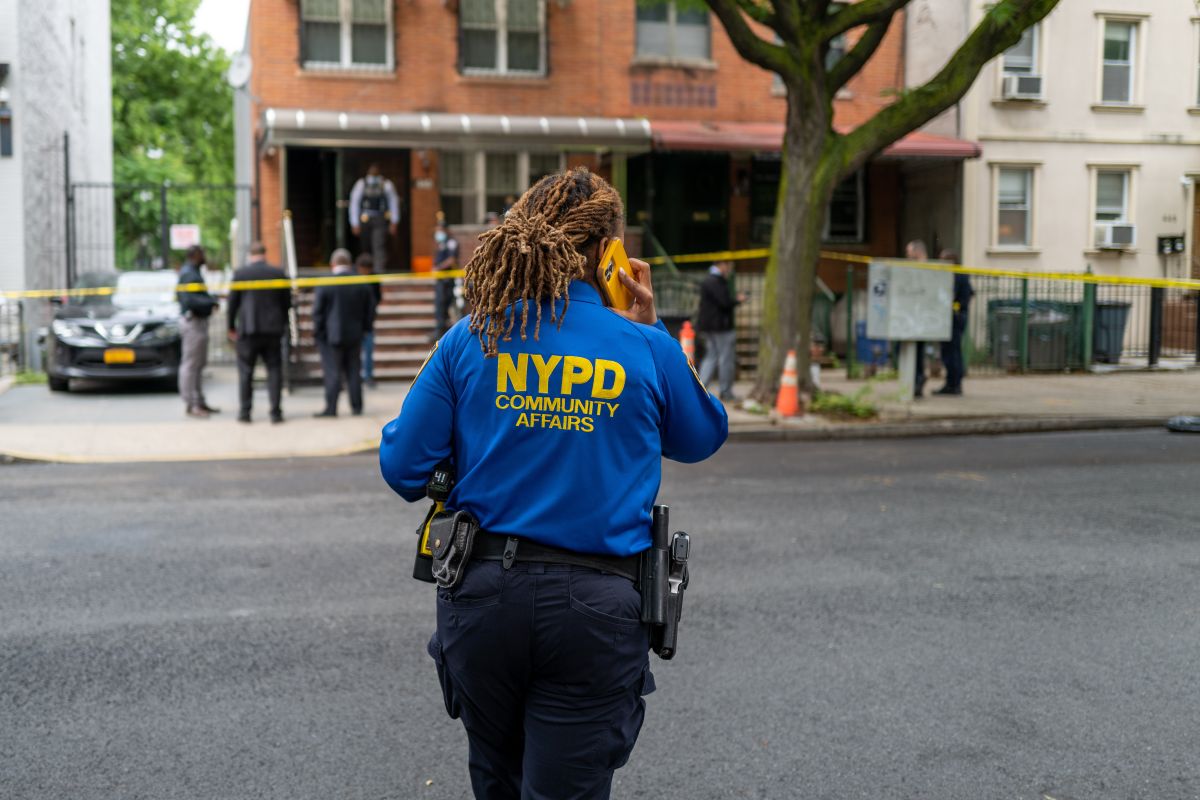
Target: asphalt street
pixel 1014 617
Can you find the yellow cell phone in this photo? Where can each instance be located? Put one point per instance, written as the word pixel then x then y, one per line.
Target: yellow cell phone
pixel 608 276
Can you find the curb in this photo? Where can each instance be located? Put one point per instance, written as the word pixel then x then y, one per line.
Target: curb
pixel 989 426
pixel 21 457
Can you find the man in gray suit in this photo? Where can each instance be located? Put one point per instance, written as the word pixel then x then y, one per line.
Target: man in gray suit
pixel 195 307
pixel 342 315
pixel 258 319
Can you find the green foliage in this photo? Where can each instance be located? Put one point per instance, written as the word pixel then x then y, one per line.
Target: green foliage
pixel 172 114
pixel 858 405
pixel 29 378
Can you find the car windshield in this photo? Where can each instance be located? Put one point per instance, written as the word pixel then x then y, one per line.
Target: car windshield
pixel 144 289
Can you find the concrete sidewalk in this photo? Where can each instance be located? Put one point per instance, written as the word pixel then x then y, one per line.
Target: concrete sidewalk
pixel 996 404
pixel 113 424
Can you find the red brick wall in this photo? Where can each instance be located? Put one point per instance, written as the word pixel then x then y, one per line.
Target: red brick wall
pixel 591 50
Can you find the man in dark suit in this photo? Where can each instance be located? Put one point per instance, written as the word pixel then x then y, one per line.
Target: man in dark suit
pixel 258 319
pixel 952 354
pixel 342 315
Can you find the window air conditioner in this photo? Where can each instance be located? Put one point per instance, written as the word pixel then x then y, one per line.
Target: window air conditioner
pixel 1115 235
pixel 1022 87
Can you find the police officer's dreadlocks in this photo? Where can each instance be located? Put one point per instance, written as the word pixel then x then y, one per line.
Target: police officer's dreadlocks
pixel 537 251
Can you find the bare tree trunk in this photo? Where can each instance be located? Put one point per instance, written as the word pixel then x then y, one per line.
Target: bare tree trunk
pixel 805 187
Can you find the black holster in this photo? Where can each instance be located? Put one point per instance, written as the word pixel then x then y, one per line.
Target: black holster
pixel 664 577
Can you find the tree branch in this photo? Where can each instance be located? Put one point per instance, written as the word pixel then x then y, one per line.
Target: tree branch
pixel 757 12
pixel 864 12
pixel 849 64
pixel 1000 29
pixel 749 44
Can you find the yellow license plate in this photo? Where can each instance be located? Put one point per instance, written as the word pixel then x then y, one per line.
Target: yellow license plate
pixel 119 355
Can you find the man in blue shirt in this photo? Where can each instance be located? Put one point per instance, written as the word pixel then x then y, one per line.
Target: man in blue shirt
pixel 556 412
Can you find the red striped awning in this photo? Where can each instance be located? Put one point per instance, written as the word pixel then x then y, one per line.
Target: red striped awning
pixel 767 137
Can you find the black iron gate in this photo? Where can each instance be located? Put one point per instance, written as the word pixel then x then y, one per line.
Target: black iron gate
pixel 128 225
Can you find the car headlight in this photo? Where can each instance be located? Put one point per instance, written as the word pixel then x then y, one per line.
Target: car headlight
pixel 168 330
pixel 67 330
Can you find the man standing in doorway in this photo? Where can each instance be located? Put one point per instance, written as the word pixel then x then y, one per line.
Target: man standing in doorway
pixel 258 319
pixel 374 214
pixel 714 323
pixel 195 307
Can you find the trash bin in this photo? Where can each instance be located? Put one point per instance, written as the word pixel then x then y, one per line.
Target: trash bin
pixel 1004 329
pixel 869 352
pixel 1108 332
pixel 1049 336
pixel 1048 341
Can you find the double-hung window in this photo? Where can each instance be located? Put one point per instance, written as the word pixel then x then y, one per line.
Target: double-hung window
pixel 502 37
pixel 474 183
pixel 1112 195
pixel 1014 207
pixel 1022 57
pixel 1118 80
pixel 346 34
pixel 666 32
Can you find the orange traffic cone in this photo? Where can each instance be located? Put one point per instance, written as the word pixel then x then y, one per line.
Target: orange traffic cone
pixel 687 341
pixel 788 403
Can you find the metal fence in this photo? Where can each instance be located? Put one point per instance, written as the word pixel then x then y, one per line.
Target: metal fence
pixel 128 225
pixel 1039 325
pixel 12 327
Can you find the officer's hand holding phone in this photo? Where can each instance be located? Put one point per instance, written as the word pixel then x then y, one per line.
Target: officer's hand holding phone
pixel 639 286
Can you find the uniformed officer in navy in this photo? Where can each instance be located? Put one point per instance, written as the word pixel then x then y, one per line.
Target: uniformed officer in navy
pixel 556 412
pixel 374 214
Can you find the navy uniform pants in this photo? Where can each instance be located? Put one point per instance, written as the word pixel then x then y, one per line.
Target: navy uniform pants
pixel 546 665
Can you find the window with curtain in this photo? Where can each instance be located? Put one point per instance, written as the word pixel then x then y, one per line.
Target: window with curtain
pixel 1112 195
pixel 1014 206
pixel 665 31
pixel 1021 58
pixel 466 202
pixel 1117 70
pixel 503 36
pixel 456 172
pixel 345 33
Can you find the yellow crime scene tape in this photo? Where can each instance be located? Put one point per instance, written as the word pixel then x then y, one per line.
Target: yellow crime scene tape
pixel 690 258
pixel 273 283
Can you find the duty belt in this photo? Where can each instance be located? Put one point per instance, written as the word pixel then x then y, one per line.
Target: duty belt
pixel 508 549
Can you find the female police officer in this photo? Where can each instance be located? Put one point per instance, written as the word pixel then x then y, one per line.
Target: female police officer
pixel 557 435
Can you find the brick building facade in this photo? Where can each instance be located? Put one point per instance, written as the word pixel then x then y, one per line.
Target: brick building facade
pixel 465 102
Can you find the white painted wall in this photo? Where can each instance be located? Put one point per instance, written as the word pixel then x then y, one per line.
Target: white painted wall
pixel 65 85
pixel 1066 133
pixel 12 218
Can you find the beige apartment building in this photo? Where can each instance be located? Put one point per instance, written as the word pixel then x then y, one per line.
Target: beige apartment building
pixel 1090 134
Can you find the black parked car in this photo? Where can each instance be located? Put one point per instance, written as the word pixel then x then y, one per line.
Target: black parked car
pixel 132 334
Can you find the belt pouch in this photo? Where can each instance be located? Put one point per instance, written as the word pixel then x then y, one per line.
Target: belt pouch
pixel 451 537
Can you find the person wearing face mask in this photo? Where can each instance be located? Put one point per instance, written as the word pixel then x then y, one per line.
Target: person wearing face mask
pixel 374 214
pixel 445 257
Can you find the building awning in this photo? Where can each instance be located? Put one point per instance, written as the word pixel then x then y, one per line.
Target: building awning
pixel 294 126
pixel 767 137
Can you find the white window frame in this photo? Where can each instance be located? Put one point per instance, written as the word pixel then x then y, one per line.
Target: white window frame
pixel 672 57
pixel 346 42
pixel 1137 59
pixel 1035 67
pixel 1034 181
pixel 1195 106
pixel 1131 185
pixel 501 69
pixel 476 162
pixel 860 236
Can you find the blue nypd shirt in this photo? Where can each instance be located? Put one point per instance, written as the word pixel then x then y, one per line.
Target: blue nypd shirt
pixel 559 440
